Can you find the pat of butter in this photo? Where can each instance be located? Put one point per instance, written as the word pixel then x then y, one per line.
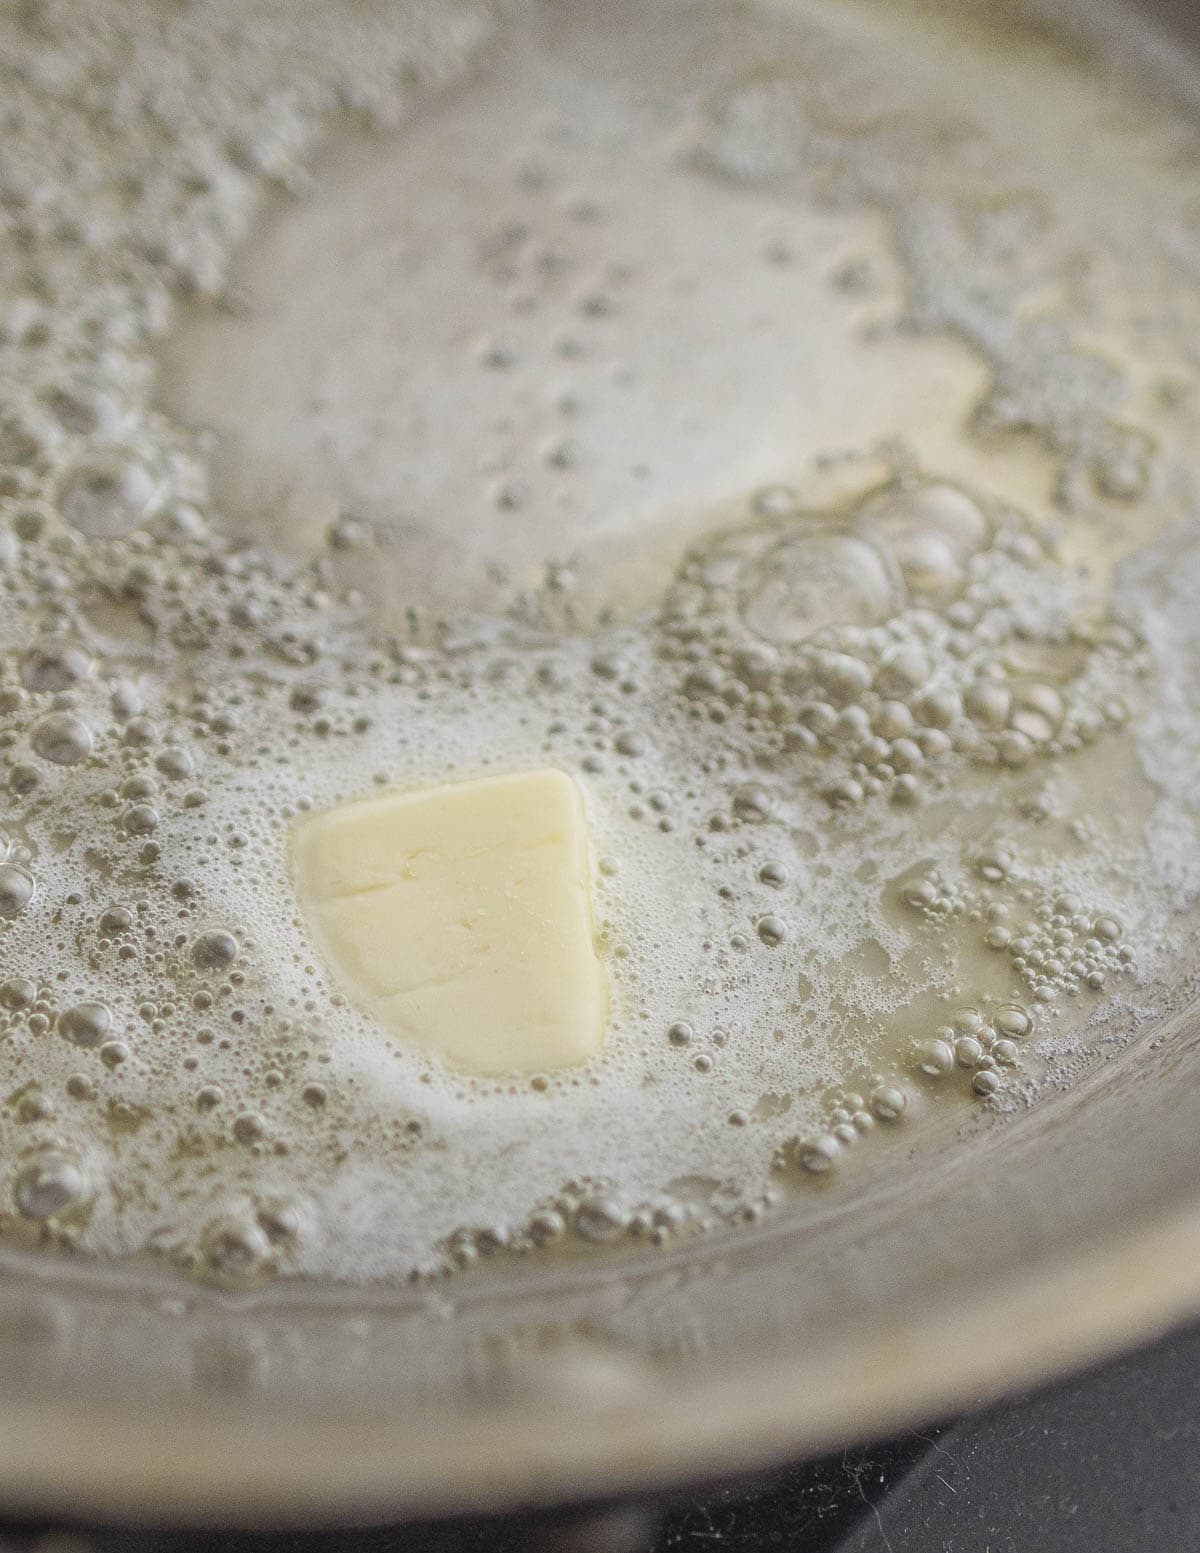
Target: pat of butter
pixel 460 918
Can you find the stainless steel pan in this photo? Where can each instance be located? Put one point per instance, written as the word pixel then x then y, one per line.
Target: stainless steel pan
pixel 125 1397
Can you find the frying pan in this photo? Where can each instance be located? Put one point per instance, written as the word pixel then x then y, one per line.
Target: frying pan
pixel 975 1265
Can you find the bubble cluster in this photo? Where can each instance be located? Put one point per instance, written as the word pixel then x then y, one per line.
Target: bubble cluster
pixel 978 1041
pixel 1054 943
pixel 888 699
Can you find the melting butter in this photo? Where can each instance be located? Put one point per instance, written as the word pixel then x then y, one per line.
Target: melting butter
pixel 460 918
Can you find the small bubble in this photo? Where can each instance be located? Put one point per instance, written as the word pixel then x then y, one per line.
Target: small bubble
pixel 16 890
pixel 51 664
pixel 846 678
pixel 139 819
pixel 775 501
pixel 62 738
pixel 546 1226
pixel 125 702
pixel 1012 1021
pixel 85 1024
pixel 236 1252
pixel 347 533
pixel 140 731
pixel 1014 748
pixel 248 1127
pixel 844 794
pixel 919 894
pixel 935 1057
pixel 772 930
pixel 752 803
pixel 902 670
pixel 17 993
pixel 810 582
pixel 23 779
pixel 888 1102
pixel 108 495
pixel 938 708
pixel 819 1155
pixel 988 702
pixel 282 1221
pixel 175 764
pixel 705 679
pixel 600 1219
pixel 214 950
pixel 34 1107
pixel 1038 712
pixel 48 1185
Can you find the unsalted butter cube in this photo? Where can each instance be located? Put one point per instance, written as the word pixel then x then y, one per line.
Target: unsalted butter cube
pixel 460 918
